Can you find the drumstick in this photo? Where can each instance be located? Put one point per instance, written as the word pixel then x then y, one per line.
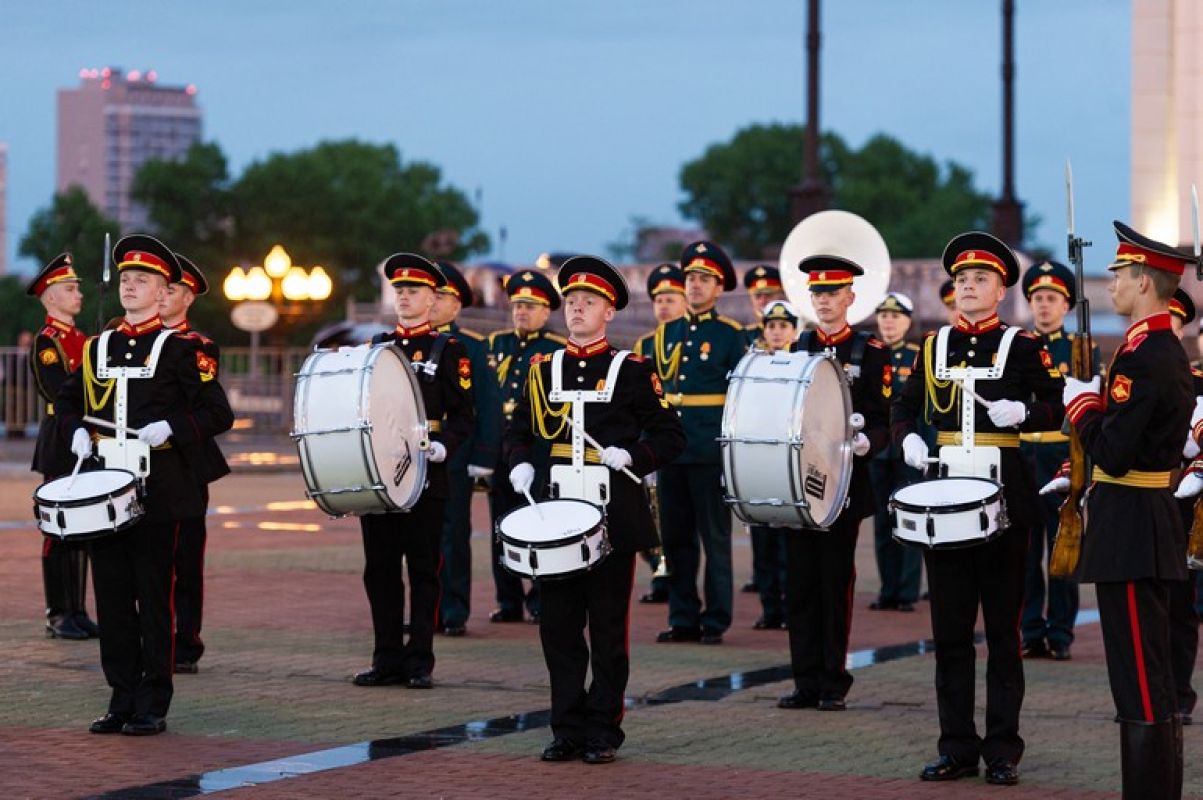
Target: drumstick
pixel 986 403
pixel 79 460
pixel 597 446
pixel 531 500
pixel 104 423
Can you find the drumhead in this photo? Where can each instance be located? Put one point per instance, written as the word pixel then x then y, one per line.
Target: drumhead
pixel 84 486
pixel 392 401
pixel 947 492
pixel 825 467
pixel 551 521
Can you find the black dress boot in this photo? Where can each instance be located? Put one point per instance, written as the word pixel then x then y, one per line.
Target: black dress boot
pixel 1148 761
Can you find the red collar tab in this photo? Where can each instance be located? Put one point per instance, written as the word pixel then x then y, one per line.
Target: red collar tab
pixel 140 259
pixel 591 282
pixel 184 327
pixel 1154 322
pixel 596 347
pixel 981 259
pixel 1128 253
pixel 829 277
pixel 58 324
pixel 990 323
pixel 839 336
pixel 417 330
pixel 149 326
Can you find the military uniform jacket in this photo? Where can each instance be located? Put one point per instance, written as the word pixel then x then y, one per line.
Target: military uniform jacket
pixel 183 391
pixel 1029 377
pixel 483 447
pixel 510 353
pixel 447 398
pixel 1054 445
pixel 871 392
pixel 902 362
pixel 637 419
pixel 1133 532
pixel 693 356
pixel 57 351
pixel 206 458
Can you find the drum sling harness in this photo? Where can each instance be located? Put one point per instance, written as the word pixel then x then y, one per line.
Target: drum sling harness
pixel 425 370
pixel 860 342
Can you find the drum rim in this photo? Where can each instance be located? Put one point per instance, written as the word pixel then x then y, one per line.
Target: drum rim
pixel 575 538
pixel 953 508
pixel 91 499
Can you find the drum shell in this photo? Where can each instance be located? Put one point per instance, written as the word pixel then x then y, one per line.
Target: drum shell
pixel 92 516
pixel 550 559
pixel 949 523
pixel 772 407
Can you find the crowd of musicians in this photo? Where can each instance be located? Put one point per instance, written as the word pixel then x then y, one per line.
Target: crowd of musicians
pixel 491 424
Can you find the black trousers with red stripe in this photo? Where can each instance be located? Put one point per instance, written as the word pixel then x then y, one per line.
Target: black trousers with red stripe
pixel 990 575
pixel 1135 619
pixel 389 542
pixel 600 598
pixel 820 574
pixel 132 573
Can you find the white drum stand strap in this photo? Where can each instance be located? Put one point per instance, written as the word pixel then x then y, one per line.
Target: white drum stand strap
pixel 123 451
pixel 580 480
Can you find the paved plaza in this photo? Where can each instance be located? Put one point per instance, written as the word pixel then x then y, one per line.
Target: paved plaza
pixel 272 712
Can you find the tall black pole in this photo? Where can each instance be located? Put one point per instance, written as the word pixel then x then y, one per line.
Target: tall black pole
pixel 811 195
pixel 1007 212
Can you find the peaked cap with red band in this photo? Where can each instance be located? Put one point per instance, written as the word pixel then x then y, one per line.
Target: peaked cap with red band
pixel 665 278
pixel 457 284
pixel 763 278
pixel 981 250
pixel 532 286
pixel 191 276
pixel 828 273
pixel 59 270
pixel 411 269
pixel 146 254
pixel 948 293
pixel 1053 276
pixel 709 258
pixel 1137 249
pixel 593 274
pixel 1182 306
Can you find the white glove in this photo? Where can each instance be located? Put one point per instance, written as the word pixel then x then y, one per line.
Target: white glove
pixel 521 477
pixel 615 458
pixel 1191 449
pixel 1007 413
pixel 475 472
pixel 860 444
pixel 914 451
pixel 81 443
pixel 1075 388
pixel 1190 486
pixel 155 433
pixel 436 452
pixel 1058 485
pixel 1198 415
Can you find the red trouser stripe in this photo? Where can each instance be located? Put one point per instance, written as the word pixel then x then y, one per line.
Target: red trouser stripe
pixel 1142 677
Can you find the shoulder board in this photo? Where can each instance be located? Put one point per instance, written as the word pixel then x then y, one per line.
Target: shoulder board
pixel 469 334
pixel 493 336
pixel 751 327
pixel 1024 334
pixel 198 336
pixel 930 334
pixel 539 358
pixel 734 323
pixel 638 359
pixel 1198 373
pixel 912 347
pixel 875 342
pixel 555 337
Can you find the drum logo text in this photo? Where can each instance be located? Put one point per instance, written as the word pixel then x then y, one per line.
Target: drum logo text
pixel 815 483
pixel 402 467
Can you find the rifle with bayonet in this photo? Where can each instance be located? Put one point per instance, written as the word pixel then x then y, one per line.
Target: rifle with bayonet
pixel 105 274
pixel 1067 547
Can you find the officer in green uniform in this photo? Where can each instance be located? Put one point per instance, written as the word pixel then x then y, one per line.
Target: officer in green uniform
pixel 899 566
pixel 764 286
pixel 474 460
pixel 702 348
pixel 532 299
pixel 1051 292
pixel 666 288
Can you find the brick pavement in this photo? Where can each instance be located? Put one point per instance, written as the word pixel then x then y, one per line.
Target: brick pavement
pixel 286 624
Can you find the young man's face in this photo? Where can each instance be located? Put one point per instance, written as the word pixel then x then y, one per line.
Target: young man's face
pixel 1124 288
pixel 173 308
pixel 445 309
pixel 529 317
pixel 63 299
pixel 141 292
pixel 979 291
pixel 668 306
pixel 702 290
pixel 892 326
pixel 762 299
pixel 412 304
pixel 779 333
pixel 1049 308
pixel 586 315
pixel 831 308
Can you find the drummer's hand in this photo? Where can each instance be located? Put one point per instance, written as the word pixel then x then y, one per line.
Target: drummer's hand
pixel 437 452
pixel 1007 413
pixel 1075 388
pixel 615 458
pixel 155 433
pixel 475 472
pixel 914 451
pixel 1191 484
pixel 81 443
pixel 1060 482
pixel 521 477
pixel 860 444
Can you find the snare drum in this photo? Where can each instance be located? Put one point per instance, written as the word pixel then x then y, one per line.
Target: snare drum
pixel 786 439
pixel 88 505
pixel 948 512
pixel 553 539
pixel 361 430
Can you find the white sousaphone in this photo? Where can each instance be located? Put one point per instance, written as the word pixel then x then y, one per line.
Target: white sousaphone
pixel 837 233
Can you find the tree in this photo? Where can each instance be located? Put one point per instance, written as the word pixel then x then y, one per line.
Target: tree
pixel 188 202
pixel 738 190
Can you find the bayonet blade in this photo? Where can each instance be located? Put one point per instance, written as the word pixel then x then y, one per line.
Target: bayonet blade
pixel 1194 216
pixel 108 259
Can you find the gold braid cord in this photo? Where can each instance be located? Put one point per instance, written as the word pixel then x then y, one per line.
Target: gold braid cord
pixel 666 363
pixel 503 369
pixel 540 408
pixel 91 384
pixel 935 386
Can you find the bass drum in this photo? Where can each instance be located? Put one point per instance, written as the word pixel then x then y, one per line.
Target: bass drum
pixel 361 430
pixel 786 439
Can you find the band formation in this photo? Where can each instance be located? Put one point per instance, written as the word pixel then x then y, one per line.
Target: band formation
pixel 981 451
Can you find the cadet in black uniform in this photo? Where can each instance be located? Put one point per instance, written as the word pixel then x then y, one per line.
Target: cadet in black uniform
pixel 638 430
pixel 899 567
pixel 703 348
pixel 476 458
pixel 532 299
pixel 764 286
pixel 1132 548
pixel 208 465
pixel 820 564
pixel 57 351
pixel 176 407
pixel 414 536
pixel 1026 397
